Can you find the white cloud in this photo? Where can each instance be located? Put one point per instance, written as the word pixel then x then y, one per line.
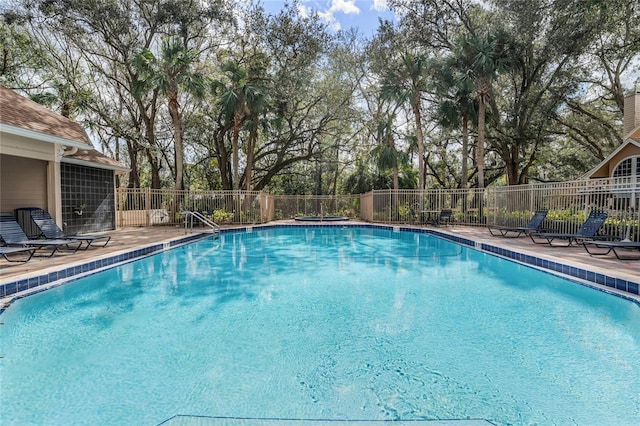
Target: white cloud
pixel 380 5
pixel 338 6
pixel 305 11
pixel 344 6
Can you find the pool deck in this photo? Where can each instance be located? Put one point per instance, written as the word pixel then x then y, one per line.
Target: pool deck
pixel 130 239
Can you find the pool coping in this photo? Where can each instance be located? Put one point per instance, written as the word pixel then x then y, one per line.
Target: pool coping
pixel 23 287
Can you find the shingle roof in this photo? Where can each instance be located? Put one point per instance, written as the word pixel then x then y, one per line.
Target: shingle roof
pixel 94 157
pixel 21 112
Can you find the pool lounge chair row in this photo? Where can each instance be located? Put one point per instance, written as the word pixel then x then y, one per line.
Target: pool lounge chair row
pixel 586 236
pixel 50 230
pixel 17 254
pixel 618 248
pixel 16 242
pixel 517 231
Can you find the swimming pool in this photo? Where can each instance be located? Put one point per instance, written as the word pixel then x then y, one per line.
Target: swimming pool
pixel 321 323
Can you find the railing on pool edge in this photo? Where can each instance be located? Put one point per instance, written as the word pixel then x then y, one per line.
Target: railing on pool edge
pixel 188 222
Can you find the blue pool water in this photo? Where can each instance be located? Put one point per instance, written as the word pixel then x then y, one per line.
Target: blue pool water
pixel 321 323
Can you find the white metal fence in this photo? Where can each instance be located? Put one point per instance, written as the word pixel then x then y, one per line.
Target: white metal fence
pixel 145 207
pixel 568 204
pixel 291 206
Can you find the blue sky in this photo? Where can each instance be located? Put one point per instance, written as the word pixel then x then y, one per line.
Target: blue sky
pixel 342 14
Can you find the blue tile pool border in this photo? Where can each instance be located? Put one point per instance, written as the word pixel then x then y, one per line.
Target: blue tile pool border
pixel 45 281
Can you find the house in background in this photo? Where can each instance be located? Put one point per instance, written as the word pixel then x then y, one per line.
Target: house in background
pixel 47 162
pixel 622 166
pixel 624 162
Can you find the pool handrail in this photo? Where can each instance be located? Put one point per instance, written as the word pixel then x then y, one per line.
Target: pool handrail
pixel 188 214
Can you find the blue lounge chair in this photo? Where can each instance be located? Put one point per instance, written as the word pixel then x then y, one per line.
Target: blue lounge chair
pixel 24 253
pixel 50 230
pixel 532 226
pixel 13 236
pixel 612 246
pixel 588 231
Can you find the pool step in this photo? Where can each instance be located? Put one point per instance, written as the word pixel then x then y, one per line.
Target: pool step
pixel 183 420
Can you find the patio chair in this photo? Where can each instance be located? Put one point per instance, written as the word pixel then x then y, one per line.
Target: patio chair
pixel 612 246
pixel 445 216
pixel 588 231
pixel 532 226
pixel 50 230
pixel 25 253
pixel 13 236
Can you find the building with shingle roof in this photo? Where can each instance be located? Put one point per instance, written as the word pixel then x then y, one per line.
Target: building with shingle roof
pixel 622 166
pixel 47 162
pixel 624 161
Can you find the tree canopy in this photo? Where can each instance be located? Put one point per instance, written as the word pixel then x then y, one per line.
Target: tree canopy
pixel 219 94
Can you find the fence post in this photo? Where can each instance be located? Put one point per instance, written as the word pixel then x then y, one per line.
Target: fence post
pixel 147 206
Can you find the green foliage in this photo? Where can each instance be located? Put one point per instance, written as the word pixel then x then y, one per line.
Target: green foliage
pixel 221 216
pixel 303 113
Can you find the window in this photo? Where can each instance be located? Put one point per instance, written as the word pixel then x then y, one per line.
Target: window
pixel 627 167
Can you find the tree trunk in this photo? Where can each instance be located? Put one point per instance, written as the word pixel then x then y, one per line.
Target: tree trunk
pixel 512 162
pixel 250 154
pixel 480 146
pixel 222 154
pixel 465 149
pixel 483 94
pixel 237 121
pixel 420 137
pixel 155 169
pixel 177 140
pixel 134 173
pixel 148 116
pixel 334 190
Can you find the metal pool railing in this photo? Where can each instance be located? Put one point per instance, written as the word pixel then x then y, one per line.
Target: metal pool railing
pixel 291 206
pixel 146 207
pixel 568 203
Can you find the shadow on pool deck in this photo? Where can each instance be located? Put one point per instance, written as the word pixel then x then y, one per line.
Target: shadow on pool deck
pixel 128 239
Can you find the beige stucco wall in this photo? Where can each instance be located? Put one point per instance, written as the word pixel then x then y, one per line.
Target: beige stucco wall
pixel 631 113
pixel 30 174
pixel 20 146
pixel 23 183
pixel 607 170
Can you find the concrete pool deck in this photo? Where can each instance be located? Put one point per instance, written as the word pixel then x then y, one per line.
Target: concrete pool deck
pixel 127 240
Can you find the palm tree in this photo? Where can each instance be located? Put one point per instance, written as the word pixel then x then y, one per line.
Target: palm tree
pixel 172 71
pixel 387 155
pixel 406 84
pixel 457 105
pixel 480 60
pixel 241 98
pixel 258 104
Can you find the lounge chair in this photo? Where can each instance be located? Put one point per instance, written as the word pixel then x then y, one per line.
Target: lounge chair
pixel 588 231
pixel 13 236
pixel 26 253
pixel 445 216
pixel 612 246
pixel 50 230
pixel 532 226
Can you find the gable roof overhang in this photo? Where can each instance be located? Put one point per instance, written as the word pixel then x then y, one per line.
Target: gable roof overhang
pixel 42 137
pixel 632 137
pixel 93 158
pixel 20 116
pixel 23 117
